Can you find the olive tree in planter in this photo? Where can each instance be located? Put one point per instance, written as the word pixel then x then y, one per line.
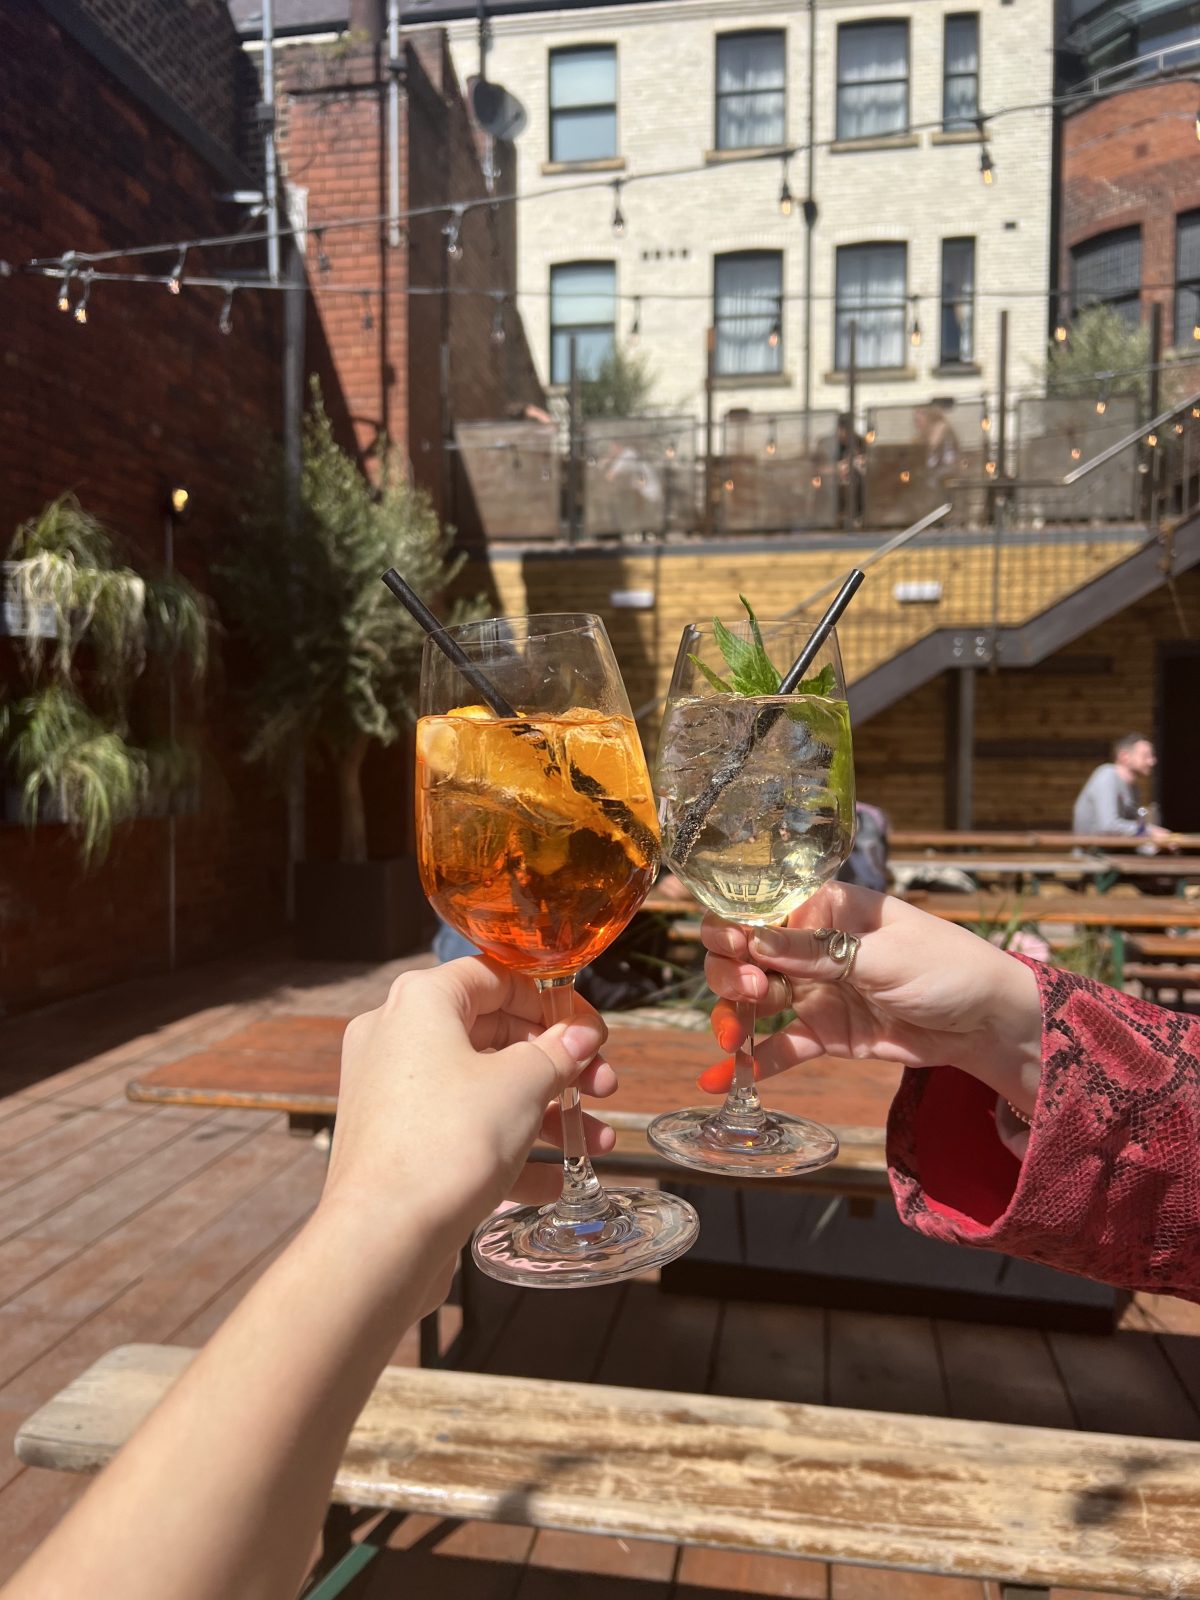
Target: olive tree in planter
pixel 337 664
pixel 87 630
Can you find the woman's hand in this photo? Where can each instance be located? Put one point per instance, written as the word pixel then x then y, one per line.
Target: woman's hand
pixel 444 1089
pixel 921 992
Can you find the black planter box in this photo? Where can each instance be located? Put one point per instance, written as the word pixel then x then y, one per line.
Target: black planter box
pixel 360 910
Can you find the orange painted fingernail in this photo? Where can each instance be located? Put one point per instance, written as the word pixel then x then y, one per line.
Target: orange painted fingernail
pixel 728 1036
pixel 716 1080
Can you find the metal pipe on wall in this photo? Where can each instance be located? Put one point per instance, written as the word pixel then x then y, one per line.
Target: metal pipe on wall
pixel 270 184
pixel 393 113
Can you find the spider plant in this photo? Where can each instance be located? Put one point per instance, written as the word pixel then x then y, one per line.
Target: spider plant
pixel 67 739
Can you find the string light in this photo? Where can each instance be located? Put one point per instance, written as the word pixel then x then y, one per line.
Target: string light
pixel 914 337
pixel 1196 412
pixel 985 421
pixel 669 452
pixel 776 332
pixel 1102 401
pixel 618 216
pixel 990 468
pixel 870 436
pixel 1076 452
pixel 175 281
pixel 772 443
pixel 728 485
pixel 225 323
pixel 1179 427
pixel 1060 327
pixel 635 329
pixel 816 482
pixel 785 194
pixel 905 475
pixel 368 318
pixel 1196 329
pixel 323 263
pixel 987 167
pixel 498 322
pixel 1152 440
pixel 81 305
pixel 452 231
pixel 64 292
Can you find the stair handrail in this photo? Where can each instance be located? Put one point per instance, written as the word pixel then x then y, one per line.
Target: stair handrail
pixel 1135 437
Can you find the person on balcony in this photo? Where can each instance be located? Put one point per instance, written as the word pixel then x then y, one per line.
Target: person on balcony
pixel 1109 801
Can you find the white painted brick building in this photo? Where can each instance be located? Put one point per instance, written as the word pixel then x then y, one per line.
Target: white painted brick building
pixel 634 90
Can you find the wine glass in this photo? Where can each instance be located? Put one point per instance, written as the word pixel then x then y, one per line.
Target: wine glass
pixel 538 838
pixel 756 796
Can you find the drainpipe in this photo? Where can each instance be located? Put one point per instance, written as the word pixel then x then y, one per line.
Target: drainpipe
pixel 393 45
pixel 270 188
pixel 810 210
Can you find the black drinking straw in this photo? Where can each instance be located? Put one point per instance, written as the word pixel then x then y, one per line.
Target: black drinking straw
pixel 416 607
pixel 688 830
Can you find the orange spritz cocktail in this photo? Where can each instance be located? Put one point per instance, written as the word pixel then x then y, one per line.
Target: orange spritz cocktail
pixel 537 836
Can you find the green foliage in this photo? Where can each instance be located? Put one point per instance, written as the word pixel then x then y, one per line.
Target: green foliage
pixel 1100 341
pixel 67 740
pixel 751 671
pixel 622 387
pixel 337 659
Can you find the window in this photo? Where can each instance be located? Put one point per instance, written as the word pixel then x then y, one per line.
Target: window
pixel 1107 270
pixel 1187 277
pixel 960 72
pixel 583 103
pixel 583 304
pixel 747 310
pixel 872 87
pixel 958 301
pixel 750 90
pixel 871 282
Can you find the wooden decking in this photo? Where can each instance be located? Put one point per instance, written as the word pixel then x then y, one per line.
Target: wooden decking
pixel 121 1223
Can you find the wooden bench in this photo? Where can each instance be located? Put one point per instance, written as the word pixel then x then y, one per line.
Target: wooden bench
pixel 1029 1507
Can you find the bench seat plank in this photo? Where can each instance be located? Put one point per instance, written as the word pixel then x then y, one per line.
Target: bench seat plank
pixel 982 1500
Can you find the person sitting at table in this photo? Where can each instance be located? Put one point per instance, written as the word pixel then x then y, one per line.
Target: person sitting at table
pixel 1040 1114
pixel 1109 800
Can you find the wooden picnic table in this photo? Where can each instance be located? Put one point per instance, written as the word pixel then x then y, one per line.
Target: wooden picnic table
pixel 291 1064
pixel 984 839
pixel 1116 911
pixel 1031 865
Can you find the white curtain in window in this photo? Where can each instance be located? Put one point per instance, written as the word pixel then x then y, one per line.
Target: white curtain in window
pixel 958 300
pixel 582 303
pixel 872 79
pixel 961 70
pixel 871 283
pixel 747 304
pixel 750 90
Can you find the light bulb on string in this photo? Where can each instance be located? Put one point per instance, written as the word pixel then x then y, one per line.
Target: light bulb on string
pixel 1198 124
pixel 453 231
pixel 225 321
pixel 1102 401
pixel 987 167
pixel 785 194
pixel 635 327
pixel 669 452
pixel 1060 327
pixel 618 216
pixel 368 317
pixel 914 337
pixel 985 420
pixel 64 292
pixel 772 444
pixel 776 332
pixel 80 312
pixel 175 281
pixel 1196 329
pixel 498 323
pixel 323 265
pixel 1152 440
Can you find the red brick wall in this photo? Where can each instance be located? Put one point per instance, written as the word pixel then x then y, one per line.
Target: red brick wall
pixel 333 144
pixel 147 394
pixel 1133 159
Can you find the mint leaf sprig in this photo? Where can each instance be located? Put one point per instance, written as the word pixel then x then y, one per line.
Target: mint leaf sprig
pixel 751 670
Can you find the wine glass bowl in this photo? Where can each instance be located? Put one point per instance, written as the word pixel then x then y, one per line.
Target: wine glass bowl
pixel 537 838
pixel 756 799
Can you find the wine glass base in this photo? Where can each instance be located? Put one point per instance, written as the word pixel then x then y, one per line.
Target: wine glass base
pixel 534 1246
pixel 783 1146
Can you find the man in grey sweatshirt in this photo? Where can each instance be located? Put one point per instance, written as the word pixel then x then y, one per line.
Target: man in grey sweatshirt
pixel 1108 801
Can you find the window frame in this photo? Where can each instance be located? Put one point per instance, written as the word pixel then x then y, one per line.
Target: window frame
pixel 1129 297
pixel 900 306
pixel 859 24
pixel 720 94
pixel 961 125
pixel 1189 287
pixel 775 353
pixel 578 327
pixel 557 52
pixel 959 300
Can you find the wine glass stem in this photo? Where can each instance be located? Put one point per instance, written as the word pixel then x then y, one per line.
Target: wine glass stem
pixel 742 1112
pixel 583 1197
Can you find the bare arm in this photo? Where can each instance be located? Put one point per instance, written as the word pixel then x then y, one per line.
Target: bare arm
pixel 221 1493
